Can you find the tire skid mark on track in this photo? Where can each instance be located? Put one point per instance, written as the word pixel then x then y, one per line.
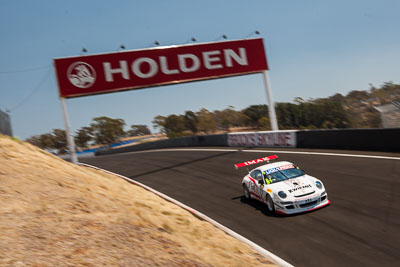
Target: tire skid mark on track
pixel 180 164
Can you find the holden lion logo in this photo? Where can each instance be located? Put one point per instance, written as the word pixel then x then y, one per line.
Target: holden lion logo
pixel 81 74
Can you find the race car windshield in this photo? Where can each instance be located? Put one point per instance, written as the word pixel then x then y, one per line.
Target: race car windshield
pixel 281 175
pixel 293 173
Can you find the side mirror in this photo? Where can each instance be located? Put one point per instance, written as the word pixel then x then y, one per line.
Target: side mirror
pixel 261 181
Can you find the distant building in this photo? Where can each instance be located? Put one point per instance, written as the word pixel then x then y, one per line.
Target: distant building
pixel 390 114
pixel 5 123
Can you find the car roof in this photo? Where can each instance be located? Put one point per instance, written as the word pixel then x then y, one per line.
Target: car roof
pixel 272 165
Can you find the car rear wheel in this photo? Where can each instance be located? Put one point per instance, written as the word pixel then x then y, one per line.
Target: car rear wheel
pixel 270 204
pixel 246 192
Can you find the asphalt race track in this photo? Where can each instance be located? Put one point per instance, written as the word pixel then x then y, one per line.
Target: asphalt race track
pixel 361 227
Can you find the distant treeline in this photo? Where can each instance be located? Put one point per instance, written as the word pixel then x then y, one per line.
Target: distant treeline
pixel 102 131
pixel 355 110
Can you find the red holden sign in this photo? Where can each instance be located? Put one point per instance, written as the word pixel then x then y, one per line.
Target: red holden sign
pixel 105 73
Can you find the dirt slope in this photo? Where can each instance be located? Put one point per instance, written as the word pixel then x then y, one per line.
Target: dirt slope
pixel 53 213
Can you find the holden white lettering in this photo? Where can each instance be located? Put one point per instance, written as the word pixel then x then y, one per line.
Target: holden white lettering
pixel 164 67
pixel 146 67
pixel 230 54
pixel 152 70
pixel 183 63
pixel 209 59
pixel 123 69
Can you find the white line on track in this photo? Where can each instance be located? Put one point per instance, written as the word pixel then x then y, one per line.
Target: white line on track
pixel 262 151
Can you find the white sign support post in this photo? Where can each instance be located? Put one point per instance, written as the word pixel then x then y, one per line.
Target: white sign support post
pixel 70 139
pixel 271 105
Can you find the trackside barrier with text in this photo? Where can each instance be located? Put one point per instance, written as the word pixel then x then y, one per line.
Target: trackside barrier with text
pixel 347 139
pixel 263 139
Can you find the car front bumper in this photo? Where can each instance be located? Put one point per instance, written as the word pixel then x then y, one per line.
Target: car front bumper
pixel 302 206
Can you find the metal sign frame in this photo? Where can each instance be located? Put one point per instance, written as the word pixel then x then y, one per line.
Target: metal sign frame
pixel 77 77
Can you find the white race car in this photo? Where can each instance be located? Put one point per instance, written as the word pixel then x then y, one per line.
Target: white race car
pixel 283 187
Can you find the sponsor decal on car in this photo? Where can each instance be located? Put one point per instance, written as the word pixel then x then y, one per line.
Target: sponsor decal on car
pixel 299 188
pixel 285 167
pixel 271 170
pixel 280 168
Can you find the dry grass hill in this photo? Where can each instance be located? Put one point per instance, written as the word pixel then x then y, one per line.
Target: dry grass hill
pixel 53 213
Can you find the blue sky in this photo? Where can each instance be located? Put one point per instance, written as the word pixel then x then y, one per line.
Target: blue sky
pixel 315 48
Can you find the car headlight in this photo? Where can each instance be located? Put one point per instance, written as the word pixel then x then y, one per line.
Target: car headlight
pixel 282 194
pixel 318 184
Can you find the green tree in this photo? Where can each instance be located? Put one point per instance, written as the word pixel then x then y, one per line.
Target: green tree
pixel 282 114
pixel 264 123
pixel 138 130
pixel 228 118
pixel 190 121
pixel 43 141
pixel 159 123
pixel 107 130
pixel 358 95
pixel 255 113
pixel 175 126
pixel 60 140
pixel 337 98
pixel 34 140
pixel 83 136
pixel 335 114
pixel 56 140
pixel 321 113
pixel 207 122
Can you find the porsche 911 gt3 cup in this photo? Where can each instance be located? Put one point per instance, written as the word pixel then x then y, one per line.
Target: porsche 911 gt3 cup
pixel 283 187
